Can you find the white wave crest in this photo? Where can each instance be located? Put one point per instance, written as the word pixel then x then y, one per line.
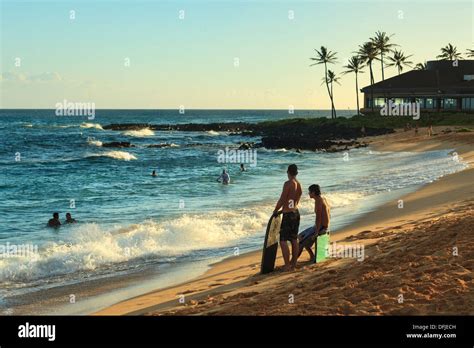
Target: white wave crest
pixel 94 142
pixel 91 125
pixel 120 155
pixel 145 132
pixel 90 247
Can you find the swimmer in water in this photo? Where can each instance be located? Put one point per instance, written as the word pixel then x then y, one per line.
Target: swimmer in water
pixel 54 222
pixel 69 219
pixel 153 174
pixel 225 178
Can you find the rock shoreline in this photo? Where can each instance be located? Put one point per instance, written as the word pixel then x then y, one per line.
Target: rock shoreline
pixel 295 134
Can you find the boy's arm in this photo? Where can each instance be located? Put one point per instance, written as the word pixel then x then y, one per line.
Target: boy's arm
pixel 299 194
pixel 319 214
pixel 281 201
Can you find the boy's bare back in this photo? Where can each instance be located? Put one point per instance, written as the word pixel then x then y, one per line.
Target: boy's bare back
pixel 292 193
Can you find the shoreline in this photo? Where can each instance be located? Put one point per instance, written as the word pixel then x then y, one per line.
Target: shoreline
pixel 237 277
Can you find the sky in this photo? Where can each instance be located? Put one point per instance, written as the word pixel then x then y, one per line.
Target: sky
pixel 207 54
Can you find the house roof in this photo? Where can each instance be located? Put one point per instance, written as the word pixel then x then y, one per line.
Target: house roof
pixel 440 77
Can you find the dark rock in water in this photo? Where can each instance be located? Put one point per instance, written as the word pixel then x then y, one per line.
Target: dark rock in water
pixel 288 142
pixel 233 127
pixel 246 146
pixel 301 134
pixel 118 144
pixel 126 126
pixel 160 145
pixel 330 136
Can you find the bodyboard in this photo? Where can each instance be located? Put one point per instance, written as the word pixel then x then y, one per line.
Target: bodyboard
pixel 270 246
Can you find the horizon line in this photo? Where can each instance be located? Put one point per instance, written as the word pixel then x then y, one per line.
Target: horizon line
pixel 193 109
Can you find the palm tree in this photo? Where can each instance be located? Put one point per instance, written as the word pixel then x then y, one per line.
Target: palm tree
pixel 332 77
pixel 399 60
pixel 449 52
pixel 470 53
pixel 324 56
pixel 421 66
pixel 368 53
pixel 354 65
pixel 382 43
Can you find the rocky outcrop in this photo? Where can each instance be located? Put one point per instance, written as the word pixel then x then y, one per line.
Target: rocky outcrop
pixel 126 126
pixel 118 144
pixel 233 127
pixel 161 145
pixel 301 134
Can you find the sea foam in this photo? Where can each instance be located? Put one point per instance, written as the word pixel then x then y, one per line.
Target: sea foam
pixel 91 125
pixel 145 132
pixel 120 155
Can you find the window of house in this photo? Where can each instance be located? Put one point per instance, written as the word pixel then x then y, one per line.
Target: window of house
pixel 449 103
pixel 430 103
pixel 420 101
pixel 468 103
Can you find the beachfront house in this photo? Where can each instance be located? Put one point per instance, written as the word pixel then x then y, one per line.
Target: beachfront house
pixel 443 86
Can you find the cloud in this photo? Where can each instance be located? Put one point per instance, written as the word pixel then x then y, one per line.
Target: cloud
pixel 22 77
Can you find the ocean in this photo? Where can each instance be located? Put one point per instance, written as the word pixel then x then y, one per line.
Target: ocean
pixel 129 221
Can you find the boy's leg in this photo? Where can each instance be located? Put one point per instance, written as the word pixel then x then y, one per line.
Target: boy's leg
pixel 294 252
pixel 300 249
pixel 285 251
pixel 310 252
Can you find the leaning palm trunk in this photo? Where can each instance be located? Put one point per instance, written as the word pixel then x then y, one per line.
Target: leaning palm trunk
pixel 332 102
pixel 329 91
pixel 381 62
pixel 371 87
pixel 357 95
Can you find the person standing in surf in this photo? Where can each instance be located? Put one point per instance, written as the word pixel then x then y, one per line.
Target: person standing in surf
pixel 224 178
pixel 288 203
pixel 54 222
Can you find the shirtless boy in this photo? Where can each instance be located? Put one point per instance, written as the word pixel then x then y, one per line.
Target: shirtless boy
pixel 288 203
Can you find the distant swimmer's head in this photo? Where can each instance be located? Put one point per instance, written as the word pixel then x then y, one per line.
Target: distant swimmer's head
pixel 56 215
pixel 292 170
pixel 68 216
pixel 314 190
pixel 223 171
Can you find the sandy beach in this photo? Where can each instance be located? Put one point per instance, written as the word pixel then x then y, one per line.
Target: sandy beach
pixel 418 259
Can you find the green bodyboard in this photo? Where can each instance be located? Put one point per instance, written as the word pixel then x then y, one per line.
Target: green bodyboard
pixel 322 245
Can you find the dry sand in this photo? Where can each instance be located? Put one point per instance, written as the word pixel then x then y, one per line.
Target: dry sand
pixel 418 260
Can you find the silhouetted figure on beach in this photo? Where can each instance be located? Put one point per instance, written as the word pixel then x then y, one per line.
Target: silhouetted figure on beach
pixel 69 219
pixel 242 167
pixel 54 222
